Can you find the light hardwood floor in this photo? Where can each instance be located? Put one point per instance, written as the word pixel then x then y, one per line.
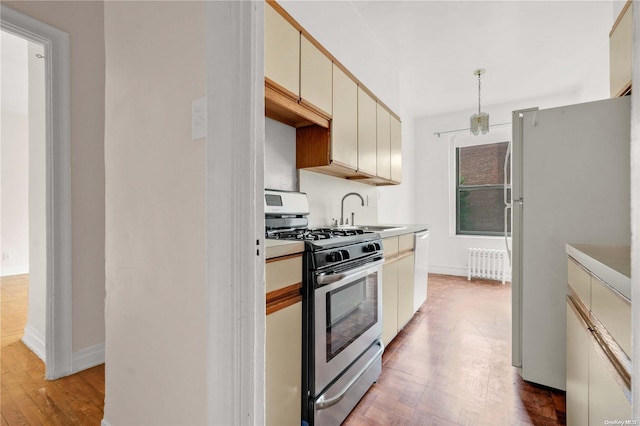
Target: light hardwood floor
pixel 26 398
pixel 449 366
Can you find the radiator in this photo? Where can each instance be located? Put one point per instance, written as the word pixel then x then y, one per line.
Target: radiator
pixel 487 263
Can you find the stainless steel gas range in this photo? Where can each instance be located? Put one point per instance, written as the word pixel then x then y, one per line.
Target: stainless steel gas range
pixel 342 308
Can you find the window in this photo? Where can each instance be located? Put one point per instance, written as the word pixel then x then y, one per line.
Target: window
pixel 480 189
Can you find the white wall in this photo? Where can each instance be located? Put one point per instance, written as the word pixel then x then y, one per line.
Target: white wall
pixel 432 173
pixel 325 199
pixel 280 156
pixel 15 156
pixel 37 194
pixel 156 315
pixel 84 22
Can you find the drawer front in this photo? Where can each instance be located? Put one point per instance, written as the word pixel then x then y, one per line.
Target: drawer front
pixel 580 281
pixel 405 242
pixel 283 272
pixel 390 246
pixel 613 312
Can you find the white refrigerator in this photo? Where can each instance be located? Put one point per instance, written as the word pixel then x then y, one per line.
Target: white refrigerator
pixel 570 183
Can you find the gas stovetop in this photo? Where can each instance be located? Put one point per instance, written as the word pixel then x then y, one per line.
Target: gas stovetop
pixel 313 234
pixel 318 239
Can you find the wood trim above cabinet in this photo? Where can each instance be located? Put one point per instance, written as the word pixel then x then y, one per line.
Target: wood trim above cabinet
pixel 283 108
pixel 281 298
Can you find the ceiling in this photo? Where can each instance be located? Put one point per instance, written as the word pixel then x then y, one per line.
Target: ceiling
pixel 529 49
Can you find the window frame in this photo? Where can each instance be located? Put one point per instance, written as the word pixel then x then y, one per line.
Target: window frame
pixel 460 140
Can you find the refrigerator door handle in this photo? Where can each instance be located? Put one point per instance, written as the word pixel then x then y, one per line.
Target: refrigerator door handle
pixel 507 202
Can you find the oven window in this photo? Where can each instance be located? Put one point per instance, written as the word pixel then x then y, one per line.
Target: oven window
pixel 351 310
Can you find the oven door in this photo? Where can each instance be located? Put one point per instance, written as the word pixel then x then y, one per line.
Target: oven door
pixel 348 319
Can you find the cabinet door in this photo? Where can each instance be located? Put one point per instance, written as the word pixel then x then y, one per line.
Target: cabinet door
pixel 620 53
pixel 316 77
pixel 607 400
pixel 578 341
pixel 344 125
pixel 613 311
pixel 284 366
pixel 389 301
pixel 405 289
pixel 281 52
pixel 396 150
pixel 366 133
pixel 383 139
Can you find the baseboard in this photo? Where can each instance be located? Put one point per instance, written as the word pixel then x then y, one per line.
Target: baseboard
pixel 6 271
pixel 460 271
pixel 35 341
pixel 87 358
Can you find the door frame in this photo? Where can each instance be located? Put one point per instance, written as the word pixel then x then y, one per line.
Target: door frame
pixel 58 335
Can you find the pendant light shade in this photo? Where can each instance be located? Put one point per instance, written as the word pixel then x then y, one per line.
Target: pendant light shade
pixel 480 121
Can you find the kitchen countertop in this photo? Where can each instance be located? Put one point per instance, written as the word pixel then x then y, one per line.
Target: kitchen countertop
pixel 278 248
pixel 612 264
pixel 400 229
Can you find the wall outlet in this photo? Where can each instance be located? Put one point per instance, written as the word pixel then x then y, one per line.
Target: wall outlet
pixel 6 256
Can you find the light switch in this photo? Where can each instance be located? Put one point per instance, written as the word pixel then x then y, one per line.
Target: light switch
pixel 199 118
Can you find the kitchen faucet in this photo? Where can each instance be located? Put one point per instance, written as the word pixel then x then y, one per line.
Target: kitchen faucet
pixel 342 206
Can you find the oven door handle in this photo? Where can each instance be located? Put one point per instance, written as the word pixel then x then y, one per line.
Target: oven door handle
pixel 322 403
pixel 323 279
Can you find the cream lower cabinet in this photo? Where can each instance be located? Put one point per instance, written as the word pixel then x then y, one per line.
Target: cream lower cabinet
pixel 577 368
pixel 283 358
pixel 607 400
pixel 284 366
pixel 405 289
pixel 389 301
pixel 598 339
pixel 397 285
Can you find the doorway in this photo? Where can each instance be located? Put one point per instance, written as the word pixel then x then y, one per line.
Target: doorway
pixel 49 171
pixel 24 184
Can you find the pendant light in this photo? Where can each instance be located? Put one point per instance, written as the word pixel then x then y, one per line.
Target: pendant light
pixel 479 121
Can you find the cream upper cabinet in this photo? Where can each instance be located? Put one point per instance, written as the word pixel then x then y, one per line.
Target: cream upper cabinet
pixel 620 52
pixel 281 52
pixel 383 146
pixel 315 77
pixel 344 125
pixel 396 150
pixel 366 133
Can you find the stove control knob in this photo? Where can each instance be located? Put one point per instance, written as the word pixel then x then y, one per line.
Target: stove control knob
pixel 334 256
pixel 369 248
pixel 345 254
pixel 378 246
